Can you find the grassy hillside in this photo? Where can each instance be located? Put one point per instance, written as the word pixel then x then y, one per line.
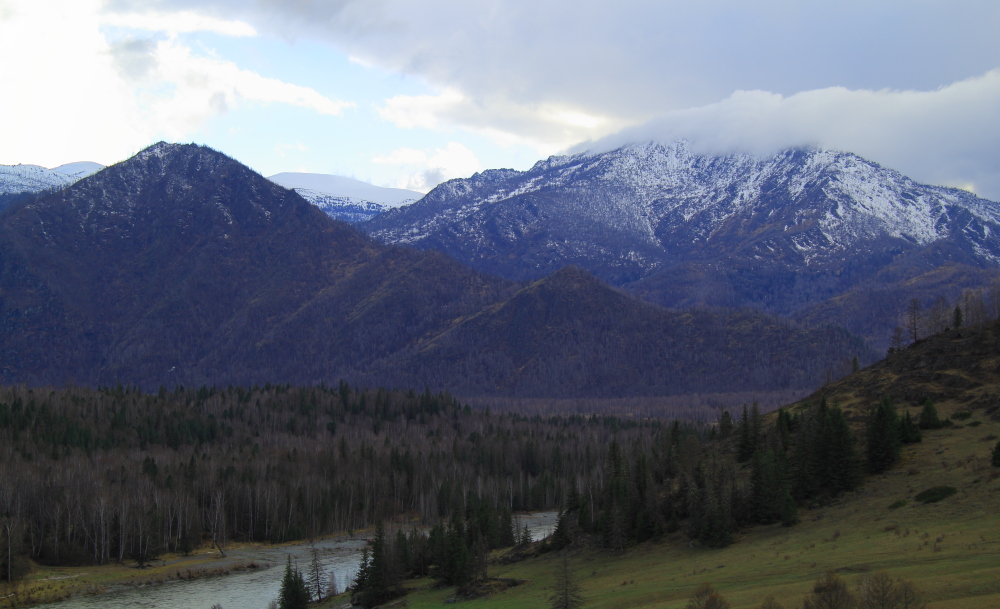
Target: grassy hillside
pixel 950 549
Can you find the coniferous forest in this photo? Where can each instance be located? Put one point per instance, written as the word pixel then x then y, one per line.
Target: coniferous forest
pixel 114 474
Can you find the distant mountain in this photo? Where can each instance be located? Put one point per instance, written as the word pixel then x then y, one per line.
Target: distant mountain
pixel 18 180
pixel 181 265
pixel 343 198
pixel 784 234
pixel 79 169
pixel 33 178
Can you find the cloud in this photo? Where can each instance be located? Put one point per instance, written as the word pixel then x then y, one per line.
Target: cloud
pixel 550 74
pixel 946 136
pixel 179 91
pixel 178 23
pixel 81 97
pixel 425 169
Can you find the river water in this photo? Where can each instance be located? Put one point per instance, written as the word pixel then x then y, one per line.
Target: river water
pixel 255 589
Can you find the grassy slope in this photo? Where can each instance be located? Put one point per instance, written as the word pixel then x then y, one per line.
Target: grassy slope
pixel 950 549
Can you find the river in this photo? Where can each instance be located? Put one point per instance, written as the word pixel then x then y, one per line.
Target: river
pixel 254 589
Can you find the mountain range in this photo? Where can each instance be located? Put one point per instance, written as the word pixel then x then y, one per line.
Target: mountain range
pixel 345 198
pixel 17 180
pixel 814 235
pixel 182 266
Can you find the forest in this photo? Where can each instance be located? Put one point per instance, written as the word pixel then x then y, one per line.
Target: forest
pixel 91 476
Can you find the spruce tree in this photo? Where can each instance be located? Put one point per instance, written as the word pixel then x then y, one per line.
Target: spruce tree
pixel 843 468
pixel 746 442
pixel 883 437
pixel 929 416
pixel 909 431
pixel 567 592
pixel 958 317
pixel 294 593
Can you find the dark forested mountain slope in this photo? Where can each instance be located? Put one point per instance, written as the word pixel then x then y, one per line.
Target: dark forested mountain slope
pixel 567 334
pixel 182 266
pixel 783 233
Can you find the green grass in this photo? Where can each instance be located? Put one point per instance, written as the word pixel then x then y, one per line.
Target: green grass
pixel 950 550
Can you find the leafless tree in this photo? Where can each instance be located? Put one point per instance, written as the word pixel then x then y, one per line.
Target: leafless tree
pixel 878 591
pixel 830 593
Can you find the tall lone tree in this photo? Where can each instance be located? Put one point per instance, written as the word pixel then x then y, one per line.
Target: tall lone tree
pixel 883 437
pixel 913 319
pixel 567 592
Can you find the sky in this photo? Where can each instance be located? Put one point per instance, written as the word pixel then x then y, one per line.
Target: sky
pixel 408 93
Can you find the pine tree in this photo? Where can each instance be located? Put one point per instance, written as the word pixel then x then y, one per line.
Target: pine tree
pixel 508 534
pixel 294 593
pixel 843 466
pixel 378 580
pixel 746 441
pixel 957 319
pixel 929 416
pixel 567 592
pixel 909 432
pixel 725 425
pixel 315 573
pixel 883 437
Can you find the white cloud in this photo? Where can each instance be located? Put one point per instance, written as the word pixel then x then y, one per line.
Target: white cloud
pixel 945 136
pixel 201 87
pixel 425 169
pixel 80 97
pixel 549 74
pixel 178 23
pixel 548 128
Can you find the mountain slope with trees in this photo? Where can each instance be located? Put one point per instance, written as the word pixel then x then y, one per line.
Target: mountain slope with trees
pixel 786 234
pixel 182 266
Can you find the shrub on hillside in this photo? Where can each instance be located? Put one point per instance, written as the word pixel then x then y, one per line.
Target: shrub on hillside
pixel 996 455
pixel 935 494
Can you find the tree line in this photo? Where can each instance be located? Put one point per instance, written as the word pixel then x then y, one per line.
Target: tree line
pixel 91 476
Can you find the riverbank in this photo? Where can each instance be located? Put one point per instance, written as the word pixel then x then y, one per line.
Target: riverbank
pixel 244 577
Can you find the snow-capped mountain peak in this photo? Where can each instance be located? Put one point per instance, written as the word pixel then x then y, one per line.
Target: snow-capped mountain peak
pixel 345 198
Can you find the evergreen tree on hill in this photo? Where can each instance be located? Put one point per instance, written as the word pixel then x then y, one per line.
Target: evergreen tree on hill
pixel 883 437
pixel 929 416
pixel 294 592
pixel 567 592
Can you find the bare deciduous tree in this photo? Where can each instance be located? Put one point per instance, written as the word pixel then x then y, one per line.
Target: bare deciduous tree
pixel 829 593
pixel 705 597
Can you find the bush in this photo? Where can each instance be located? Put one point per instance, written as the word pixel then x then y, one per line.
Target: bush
pixel 961 416
pixel 935 494
pixel 897 504
pixel 996 455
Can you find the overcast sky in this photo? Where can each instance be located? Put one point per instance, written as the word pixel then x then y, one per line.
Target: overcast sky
pixel 408 93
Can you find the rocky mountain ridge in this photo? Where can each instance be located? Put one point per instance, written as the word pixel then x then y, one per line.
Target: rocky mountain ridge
pixel 785 233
